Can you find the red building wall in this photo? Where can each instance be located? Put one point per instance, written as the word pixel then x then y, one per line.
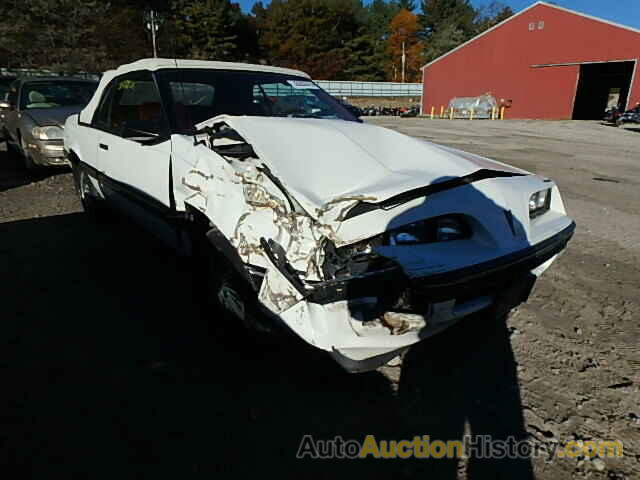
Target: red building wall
pixel 501 62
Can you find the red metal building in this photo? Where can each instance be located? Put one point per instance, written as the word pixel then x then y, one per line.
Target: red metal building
pixel 546 61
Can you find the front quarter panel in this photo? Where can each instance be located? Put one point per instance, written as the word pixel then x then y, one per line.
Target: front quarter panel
pixel 82 140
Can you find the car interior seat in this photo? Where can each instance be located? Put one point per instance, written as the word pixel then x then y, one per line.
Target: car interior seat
pixel 37 100
pixel 150 112
pixel 184 121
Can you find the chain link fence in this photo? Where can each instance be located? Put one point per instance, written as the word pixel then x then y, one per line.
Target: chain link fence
pixel 335 88
pixel 370 89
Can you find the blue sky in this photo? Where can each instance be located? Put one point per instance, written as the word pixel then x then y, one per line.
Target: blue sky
pixel 626 12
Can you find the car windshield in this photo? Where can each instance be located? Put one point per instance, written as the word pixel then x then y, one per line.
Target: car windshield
pixel 196 95
pixel 56 94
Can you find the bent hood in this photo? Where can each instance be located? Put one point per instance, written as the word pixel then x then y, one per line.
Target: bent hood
pixel 52 116
pixel 321 161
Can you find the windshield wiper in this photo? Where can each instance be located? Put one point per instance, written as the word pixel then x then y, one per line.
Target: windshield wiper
pixel 301 115
pixel 307 115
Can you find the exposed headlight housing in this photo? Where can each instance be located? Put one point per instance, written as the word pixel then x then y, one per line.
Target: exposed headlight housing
pixel 539 203
pixel 361 258
pixel 48 133
pixel 439 229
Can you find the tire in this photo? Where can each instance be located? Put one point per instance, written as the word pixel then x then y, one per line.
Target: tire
pixel 12 150
pixel 231 296
pixel 227 292
pixel 91 203
pixel 29 164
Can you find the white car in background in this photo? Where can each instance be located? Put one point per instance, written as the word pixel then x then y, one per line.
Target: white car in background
pixel 361 240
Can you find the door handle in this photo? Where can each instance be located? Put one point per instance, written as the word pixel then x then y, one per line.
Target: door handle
pixel 104 147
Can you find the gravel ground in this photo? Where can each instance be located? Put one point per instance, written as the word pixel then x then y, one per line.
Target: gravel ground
pixel 111 365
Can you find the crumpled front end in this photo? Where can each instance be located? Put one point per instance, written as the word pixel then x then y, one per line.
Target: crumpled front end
pixel 364 274
pixel 378 299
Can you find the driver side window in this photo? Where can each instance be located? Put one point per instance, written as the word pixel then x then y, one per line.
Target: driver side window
pixel 131 108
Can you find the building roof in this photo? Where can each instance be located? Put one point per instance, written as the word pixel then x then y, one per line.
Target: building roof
pixel 590 17
pixel 160 63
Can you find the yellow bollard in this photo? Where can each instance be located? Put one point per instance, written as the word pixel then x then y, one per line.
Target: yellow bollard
pixel 493 113
pixel 433 109
pixel 471 115
pixel 441 111
pixel 502 113
pixel 451 113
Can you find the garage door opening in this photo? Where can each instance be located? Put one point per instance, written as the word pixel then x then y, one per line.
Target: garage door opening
pixel 599 85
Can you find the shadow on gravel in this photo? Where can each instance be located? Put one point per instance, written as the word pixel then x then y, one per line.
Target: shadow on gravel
pixel 111 369
pixel 464 382
pixel 14 174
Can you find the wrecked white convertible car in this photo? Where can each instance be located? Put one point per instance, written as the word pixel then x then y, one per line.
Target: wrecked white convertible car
pixel 361 240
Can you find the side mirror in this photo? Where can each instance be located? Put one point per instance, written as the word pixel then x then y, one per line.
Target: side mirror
pixel 5 105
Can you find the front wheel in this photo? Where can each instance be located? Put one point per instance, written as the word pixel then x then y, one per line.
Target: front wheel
pixel 29 164
pixel 89 198
pixel 227 292
pixel 231 297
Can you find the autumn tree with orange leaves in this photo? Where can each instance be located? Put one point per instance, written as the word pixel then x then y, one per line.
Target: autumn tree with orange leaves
pixel 330 39
pixel 404 28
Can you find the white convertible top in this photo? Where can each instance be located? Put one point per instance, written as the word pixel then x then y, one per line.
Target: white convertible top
pixel 153 64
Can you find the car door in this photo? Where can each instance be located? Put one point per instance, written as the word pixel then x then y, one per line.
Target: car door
pixel 134 152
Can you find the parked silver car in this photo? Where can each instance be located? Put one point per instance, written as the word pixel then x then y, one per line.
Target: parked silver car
pixel 34 111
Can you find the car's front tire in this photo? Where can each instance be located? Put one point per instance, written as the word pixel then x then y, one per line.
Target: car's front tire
pixel 29 163
pixel 91 202
pixel 225 291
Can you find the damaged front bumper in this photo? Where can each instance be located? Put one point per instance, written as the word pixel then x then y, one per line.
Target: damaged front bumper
pixel 366 321
pixel 324 254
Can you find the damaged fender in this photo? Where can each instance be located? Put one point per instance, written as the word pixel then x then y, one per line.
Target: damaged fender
pixel 249 183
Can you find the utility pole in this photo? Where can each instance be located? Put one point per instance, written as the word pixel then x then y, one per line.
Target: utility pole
pixel 152 24
pixel 153 33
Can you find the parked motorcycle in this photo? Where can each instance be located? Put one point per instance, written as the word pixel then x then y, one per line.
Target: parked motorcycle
pixel 611 115
pixel 629 117
pixel 410 112
pixel 375 111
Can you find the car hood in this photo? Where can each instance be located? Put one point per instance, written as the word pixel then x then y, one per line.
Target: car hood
pixel 323 161
pixel 52 116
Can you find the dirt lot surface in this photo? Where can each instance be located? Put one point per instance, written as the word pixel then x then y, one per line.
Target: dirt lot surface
pixel 111 366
